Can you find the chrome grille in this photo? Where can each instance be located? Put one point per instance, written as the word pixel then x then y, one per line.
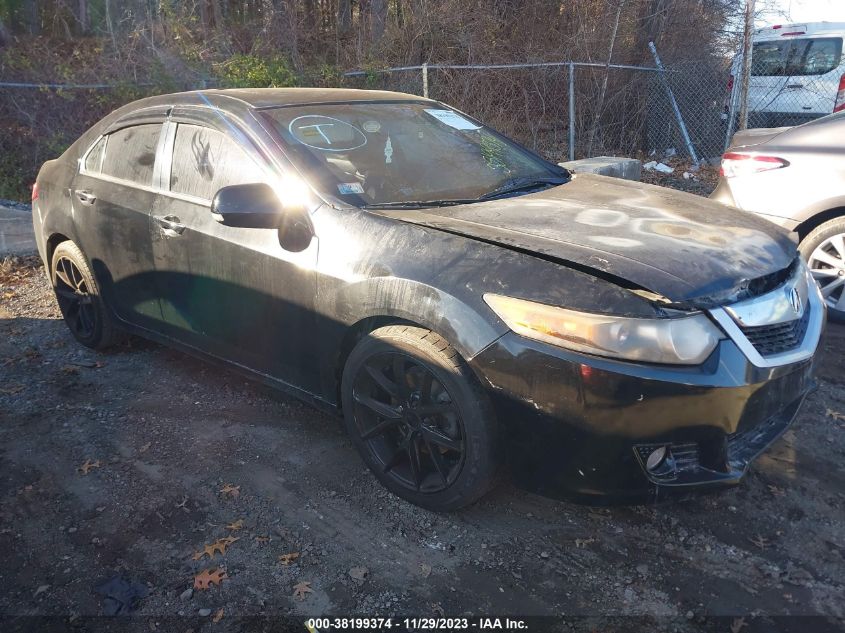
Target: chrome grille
pixel 777 338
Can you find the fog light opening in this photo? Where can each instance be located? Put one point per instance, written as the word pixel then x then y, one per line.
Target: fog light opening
pixel 656 458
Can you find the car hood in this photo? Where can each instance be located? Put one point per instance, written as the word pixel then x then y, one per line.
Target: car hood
pixel 679 246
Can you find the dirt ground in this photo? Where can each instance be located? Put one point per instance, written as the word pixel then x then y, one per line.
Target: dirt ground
pixel 164 435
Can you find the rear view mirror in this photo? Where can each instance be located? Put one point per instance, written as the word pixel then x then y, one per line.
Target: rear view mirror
pixel 251 206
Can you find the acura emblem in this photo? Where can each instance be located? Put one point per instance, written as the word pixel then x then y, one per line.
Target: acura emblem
pixel 795 300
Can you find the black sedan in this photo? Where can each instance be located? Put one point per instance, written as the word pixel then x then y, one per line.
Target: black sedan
pixel 470 308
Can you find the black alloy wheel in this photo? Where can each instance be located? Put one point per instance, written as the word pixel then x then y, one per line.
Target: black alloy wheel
pixel 79 299
pixel 75 300
pixel 409 422
pixel 419 418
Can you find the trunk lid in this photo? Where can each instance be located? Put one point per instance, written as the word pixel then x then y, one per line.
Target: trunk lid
pixel 756 136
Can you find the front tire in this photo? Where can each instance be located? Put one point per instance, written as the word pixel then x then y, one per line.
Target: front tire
pixel 419 418
pixel 824 251
pixel 79 298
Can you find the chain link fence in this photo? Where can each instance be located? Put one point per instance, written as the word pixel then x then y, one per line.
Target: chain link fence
pixel 560 110
pixel 565 110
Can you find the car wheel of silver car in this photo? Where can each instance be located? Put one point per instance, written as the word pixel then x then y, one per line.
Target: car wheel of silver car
pixel 419 419
pixel 79 298
pixel 824 251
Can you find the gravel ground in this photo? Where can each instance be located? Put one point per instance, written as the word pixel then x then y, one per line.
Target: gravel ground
pixel 178 450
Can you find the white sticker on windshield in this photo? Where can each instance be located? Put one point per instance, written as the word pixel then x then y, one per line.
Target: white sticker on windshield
pixel 453 119
pixel 350 187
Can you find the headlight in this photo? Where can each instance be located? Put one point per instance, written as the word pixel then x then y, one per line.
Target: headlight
pixel 678 341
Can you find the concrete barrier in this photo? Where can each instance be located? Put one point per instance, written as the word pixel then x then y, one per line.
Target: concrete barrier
pixel 16 234
pixel 627 168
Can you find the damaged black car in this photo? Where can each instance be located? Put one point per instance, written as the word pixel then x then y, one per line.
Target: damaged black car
pixel 470 308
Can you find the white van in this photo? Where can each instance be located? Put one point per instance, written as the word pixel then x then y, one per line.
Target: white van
pixel 797 74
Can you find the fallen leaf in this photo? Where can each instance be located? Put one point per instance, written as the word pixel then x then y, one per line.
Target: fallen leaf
pixel 777 492
pixel 425 570
pixel 301 589
pixel 237 525
pixel 359 573
pixel 182 503
pixel 583 542
pixel 217 547
pixel 218 616
pixel 145 448
pixel 231 491
pixel 287 559
pixel 12 389
pixel 41 589
pixel 738 624
pixel 835 415
pixel 86 363
pixel 88 465
pixel 760 541
pixel 262 540
pixel 208 577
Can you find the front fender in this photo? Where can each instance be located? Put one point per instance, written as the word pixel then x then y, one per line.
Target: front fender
pixel 467 329
pixel 362 306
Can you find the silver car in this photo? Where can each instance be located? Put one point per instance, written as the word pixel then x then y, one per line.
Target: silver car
pixel 795 177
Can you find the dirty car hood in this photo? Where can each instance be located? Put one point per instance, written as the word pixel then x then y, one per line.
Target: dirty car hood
pixel 677 245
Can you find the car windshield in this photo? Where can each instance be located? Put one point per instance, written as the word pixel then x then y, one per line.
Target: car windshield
pixel 406 154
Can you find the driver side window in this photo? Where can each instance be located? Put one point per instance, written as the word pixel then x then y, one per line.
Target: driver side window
pixel 205 160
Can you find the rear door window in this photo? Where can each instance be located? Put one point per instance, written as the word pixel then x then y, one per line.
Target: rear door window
pixel 131 153
pixel 796 57
pixel 205 160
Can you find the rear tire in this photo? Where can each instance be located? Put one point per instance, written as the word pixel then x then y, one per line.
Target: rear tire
pixel 79 298
pixel 824 251
pixel 419 418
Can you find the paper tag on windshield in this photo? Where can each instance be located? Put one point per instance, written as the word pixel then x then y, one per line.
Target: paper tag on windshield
pixel 350 187
pixel 453 119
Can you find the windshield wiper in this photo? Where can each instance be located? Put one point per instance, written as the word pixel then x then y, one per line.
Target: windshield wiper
pixel 417 204
pixel 510 186
pixel 515 185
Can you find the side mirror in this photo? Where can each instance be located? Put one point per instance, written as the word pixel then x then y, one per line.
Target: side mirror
pixel 256 206
pixel 253 206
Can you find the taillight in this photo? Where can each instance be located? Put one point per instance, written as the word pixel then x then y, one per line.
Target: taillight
pixel 34 191
pixel 840 96
pixel 735 164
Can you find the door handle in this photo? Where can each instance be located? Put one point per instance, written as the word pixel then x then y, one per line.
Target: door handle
pixel 170 224
pixel 85 197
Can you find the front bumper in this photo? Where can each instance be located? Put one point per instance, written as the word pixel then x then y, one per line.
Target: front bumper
pixel 584 426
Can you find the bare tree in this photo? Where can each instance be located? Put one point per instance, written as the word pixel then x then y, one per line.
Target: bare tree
pixel 344 16
pixel 378 19
pixel 5 38
pixel 747 38
pixel 603 91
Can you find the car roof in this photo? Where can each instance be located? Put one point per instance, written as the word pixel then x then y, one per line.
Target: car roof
pixel 275 97
pixel 808 29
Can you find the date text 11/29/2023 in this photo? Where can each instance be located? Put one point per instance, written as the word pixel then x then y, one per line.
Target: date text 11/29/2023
pixel 321 625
